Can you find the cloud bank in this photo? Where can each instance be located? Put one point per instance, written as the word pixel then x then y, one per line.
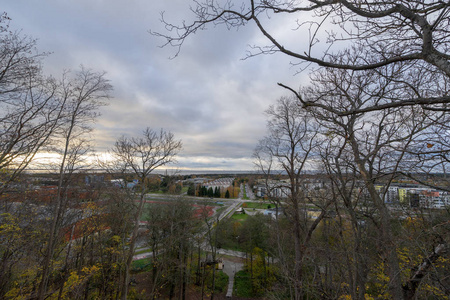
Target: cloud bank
pixel 208 96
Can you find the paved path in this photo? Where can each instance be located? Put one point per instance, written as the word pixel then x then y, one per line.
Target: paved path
pixel 231 253
pixel 231 268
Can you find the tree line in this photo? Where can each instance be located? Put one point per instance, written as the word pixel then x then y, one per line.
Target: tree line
pixel 216 192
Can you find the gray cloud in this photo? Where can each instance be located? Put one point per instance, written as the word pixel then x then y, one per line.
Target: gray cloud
pixel 208 96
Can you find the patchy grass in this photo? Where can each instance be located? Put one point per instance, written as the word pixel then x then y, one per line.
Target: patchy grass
pixel 221 282
pixel 243 285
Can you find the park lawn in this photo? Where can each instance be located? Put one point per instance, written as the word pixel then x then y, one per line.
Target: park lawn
pixel 143 251
pixel 239 217
pixel 141 265
pixel 258 205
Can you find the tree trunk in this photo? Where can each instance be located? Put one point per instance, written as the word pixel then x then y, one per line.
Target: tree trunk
pixel 386 235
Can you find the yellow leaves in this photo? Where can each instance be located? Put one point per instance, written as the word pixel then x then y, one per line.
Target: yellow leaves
pixel 116 239
pixel 90 270
pixel 22 286
pixel 16 293
pixel 442 262
pixel 403 254
pixel 380 274
pixel 378 286
pixel 434 291
pixel 74 279
pixel 9 224
pixel 349 297
pixel 10 230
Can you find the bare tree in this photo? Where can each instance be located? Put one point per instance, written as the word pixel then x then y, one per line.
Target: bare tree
pixel 172 229
pixel 387 33
pixel 80 96
pixel 210 223
pixel 140 157
pixel 375 146
pixel 29 109
pixel 290 147
pixel 42 114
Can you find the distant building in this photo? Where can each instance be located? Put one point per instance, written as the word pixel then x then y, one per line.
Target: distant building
pixel 120 183
pixel 282 189
pixel 94 179
pixel 221 183
pixel 273 212
pixel 391 195
pixel 415 196
pixel 434 199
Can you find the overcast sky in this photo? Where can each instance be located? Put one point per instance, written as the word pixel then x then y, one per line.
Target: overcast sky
pixel 208 96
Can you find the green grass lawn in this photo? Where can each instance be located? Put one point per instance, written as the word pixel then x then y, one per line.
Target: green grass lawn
pixel 243 285
pixel 141 265
pixel 259 205
pixel 142 251
pixel 239 217
pixel 221 282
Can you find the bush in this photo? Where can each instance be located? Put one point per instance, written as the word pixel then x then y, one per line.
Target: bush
pixel 221 281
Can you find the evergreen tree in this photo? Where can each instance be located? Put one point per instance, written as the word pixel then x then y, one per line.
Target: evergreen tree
pixel 203 191
pixel 210 192
pixel 191 190
pixel 217 192
pixel 227 194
